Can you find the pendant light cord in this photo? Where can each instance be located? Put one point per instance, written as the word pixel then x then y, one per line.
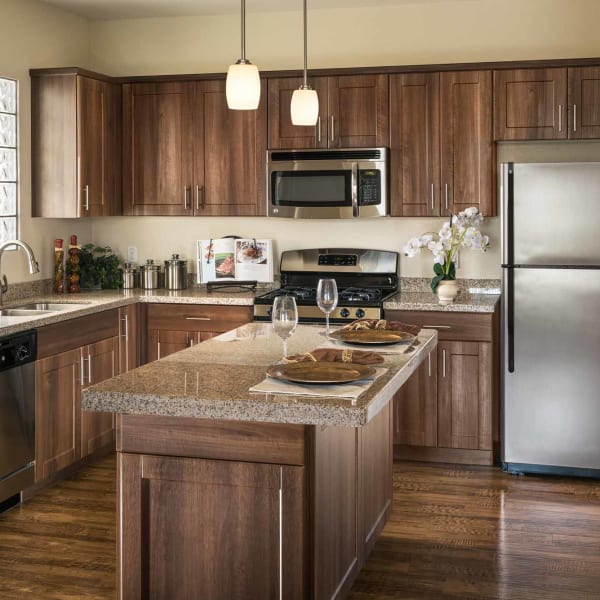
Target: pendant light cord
pixel 305 48
pixel 243 11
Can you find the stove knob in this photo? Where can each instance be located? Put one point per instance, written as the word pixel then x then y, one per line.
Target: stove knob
pixel 360 313
pixel 22 352
pixel 344 313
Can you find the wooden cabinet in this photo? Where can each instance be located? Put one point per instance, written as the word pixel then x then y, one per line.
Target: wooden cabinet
pixel 186 153
pixel 76 145
pixel 416 406
pixel 448 411
pixel 174 327
pixel 129 338
pixel 353 112
pixel 72 355
pixel 101 361
pixel 547 104
pixel 442 152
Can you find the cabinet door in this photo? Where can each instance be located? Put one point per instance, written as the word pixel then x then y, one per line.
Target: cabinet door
pixel 128 338
pixel 229 154
pixel 358 111
pixel 90 143
pixel 584 103
pixel 415 407
pixel 465 375
pixel 57 412
pixel 101 362
pixel 530 104
pixel 157 149
pixel 467 150
pixel 162 342
pixel 415 144
pixel 282 134
pixel 207 513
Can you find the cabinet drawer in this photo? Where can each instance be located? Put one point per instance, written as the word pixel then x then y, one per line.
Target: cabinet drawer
pixel 450 326
pixel 73 333
pixel 197 317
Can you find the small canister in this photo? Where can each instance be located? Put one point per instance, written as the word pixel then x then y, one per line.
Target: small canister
pixel 150 275
pixel 175 273
pixel 130 277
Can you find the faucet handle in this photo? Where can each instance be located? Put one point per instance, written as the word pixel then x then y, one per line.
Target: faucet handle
pixel 3 285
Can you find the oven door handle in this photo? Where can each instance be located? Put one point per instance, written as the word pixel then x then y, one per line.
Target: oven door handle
pixel 354 185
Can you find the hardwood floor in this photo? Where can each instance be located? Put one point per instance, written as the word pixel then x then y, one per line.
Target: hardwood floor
pixel 469 533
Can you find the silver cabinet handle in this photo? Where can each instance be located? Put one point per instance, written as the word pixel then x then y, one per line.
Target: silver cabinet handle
pixel 125 320
pixel 432 197
pixel 332 134
pixel 81 370
pixel 318 128
pixel 446 192
pixel 437 326
pixel 158 350
pixel 86 196
pixel 185 197
pixel 574 118
pixel 197 318
pixel 199 194
pixel 429 363
pixel 89 359
pixel 191 342
pixel 560 117
pixel 443 363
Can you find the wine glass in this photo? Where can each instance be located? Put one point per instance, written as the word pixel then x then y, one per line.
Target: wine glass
pixel 327 299
pixel 285 318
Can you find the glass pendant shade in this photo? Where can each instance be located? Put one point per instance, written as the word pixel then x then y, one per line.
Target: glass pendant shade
pixel 305 107
pixel 243 86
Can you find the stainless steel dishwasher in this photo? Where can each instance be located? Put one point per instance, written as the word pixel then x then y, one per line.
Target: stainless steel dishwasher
pixel 17 413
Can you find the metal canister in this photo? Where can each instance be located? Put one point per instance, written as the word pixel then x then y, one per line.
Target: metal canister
pixel 130 276
pixel 150 275
pixel 175 273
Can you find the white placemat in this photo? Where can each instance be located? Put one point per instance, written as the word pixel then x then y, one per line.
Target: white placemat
pixel 343 390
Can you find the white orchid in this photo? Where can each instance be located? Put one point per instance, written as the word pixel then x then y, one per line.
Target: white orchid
pixel 460 231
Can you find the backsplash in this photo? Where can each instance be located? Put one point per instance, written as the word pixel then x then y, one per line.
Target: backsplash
pixel 27 289
pixel 473 286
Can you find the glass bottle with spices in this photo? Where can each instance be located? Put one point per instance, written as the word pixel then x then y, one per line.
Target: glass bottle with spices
pixel 59 267
pixel 73 267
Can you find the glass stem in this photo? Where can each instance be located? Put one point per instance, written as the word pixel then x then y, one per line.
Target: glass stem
pixel 284 347
pixel 327 324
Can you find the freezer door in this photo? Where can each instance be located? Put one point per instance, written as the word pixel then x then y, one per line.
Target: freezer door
pixel 555 208
pixel 551 401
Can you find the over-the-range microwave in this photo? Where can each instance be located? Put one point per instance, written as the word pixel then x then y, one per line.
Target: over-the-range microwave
pixel 327 184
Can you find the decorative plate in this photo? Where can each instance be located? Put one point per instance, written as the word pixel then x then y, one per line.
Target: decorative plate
pixel 372 336
pixel 320 372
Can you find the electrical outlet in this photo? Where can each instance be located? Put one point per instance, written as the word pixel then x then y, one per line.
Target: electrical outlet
pixel 132 254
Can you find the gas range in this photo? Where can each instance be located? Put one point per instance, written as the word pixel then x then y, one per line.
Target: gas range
pixel 365 279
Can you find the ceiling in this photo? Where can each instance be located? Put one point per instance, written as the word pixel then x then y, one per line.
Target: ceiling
pixel 132 9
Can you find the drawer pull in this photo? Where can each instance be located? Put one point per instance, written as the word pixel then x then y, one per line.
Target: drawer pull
pixel 437 326
pixel 197 318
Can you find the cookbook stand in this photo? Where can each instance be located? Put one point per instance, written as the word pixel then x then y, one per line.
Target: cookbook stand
pixel 231 286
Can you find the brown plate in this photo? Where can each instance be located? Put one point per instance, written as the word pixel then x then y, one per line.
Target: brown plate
pixel 372 336
pixel 320 372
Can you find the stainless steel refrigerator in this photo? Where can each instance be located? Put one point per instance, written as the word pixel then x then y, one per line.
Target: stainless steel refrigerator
pixel 551 317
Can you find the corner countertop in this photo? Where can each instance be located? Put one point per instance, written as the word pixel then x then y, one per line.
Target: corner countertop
pixel 428 301
pixel 211 380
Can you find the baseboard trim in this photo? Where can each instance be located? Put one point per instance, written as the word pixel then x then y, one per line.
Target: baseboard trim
pixel 444 455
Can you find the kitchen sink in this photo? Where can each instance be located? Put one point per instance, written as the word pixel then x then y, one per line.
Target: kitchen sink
pixel 51 306
pixel 20 312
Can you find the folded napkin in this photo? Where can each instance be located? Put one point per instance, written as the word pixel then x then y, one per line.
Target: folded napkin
pixel 341 390
pixel 348 355
pixel 381 324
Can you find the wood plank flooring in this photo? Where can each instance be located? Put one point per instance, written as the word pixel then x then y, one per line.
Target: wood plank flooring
pixel 469 533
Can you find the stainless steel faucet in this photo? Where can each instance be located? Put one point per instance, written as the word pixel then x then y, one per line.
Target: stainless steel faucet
pixel 33 265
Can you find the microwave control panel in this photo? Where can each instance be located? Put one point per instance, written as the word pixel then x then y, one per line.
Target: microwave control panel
pixel 369 187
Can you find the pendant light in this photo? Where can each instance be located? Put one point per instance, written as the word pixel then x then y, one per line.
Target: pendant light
pixel 243 81
pixel 305 101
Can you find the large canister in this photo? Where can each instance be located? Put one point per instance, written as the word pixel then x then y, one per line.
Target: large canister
pixel 175 273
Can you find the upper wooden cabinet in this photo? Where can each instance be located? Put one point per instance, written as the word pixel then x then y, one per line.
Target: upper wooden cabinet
pixel 442 152
pixel 186 153
pixel 76 146
pixel 547 104
pixel 353 113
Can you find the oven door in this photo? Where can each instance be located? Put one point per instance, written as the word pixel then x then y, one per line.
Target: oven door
pixel 326 189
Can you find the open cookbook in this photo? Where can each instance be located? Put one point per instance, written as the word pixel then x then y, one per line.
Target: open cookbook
pixel 235 259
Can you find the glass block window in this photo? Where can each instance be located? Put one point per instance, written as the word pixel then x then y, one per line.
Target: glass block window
pixel 8 159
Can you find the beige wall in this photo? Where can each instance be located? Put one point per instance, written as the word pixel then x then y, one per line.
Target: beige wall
pixel 37 35
pixel 408 33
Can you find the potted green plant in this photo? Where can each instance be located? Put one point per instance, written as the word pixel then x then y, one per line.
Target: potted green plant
pixel 100 268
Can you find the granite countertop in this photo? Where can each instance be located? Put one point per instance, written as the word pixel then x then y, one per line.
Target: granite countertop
pixel 211 380
pixel 91 302
pixel 428 301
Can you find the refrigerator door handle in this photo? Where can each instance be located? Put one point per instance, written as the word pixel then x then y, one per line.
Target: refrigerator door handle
pixel 507 214
pixel 510 318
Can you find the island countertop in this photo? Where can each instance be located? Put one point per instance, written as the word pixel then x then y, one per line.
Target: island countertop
pixel 212 381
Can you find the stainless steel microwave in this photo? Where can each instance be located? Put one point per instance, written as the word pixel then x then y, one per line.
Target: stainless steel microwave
pixel 327 184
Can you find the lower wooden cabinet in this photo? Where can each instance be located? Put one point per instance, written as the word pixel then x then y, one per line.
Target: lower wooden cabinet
pixel 174 327
pixel 448 411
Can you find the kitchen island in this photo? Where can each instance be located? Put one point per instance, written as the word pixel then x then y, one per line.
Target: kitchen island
pixel 225 494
